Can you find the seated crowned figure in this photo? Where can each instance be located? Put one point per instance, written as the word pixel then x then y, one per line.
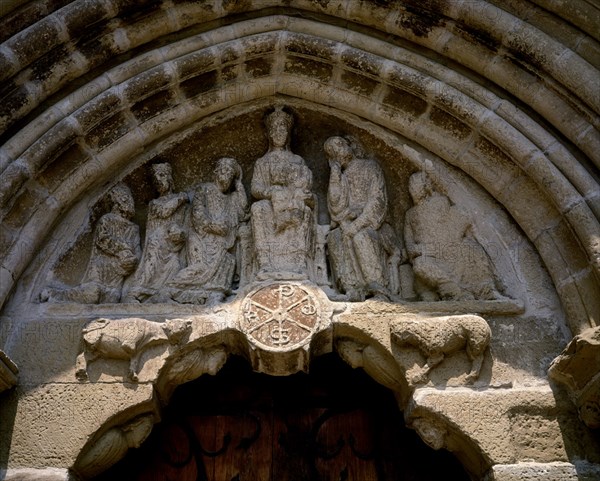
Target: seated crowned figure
pixel 283 223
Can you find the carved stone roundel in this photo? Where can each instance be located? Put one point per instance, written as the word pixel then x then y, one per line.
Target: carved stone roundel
pixel 280 317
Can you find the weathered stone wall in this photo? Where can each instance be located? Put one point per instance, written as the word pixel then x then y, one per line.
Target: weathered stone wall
pixel 497 102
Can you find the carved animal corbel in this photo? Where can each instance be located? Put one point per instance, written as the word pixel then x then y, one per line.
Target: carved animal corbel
pixel 439 336
pixel 127 339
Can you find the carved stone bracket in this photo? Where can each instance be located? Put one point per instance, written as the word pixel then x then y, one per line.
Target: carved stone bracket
pixel 280 321
pixel 112 445
pixel 578 369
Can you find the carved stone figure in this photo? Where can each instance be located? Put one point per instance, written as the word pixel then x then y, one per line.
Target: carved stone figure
pixel 218 208
pixel 115 254
pixel 165 237
pixel 126 339
pixel 448 262
pixel 433 432
pixel 439 336
pixel 363 251
pixel 283 222
pixel 577 368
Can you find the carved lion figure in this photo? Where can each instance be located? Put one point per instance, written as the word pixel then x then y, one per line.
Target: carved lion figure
pixel 126 339
pixel 438 336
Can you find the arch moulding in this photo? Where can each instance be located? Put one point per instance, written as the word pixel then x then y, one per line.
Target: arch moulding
pixel 493 111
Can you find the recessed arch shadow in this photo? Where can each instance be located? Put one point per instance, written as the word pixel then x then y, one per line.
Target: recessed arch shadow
pixel 333 423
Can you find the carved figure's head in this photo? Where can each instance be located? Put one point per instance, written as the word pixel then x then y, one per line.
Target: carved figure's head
pixel 430 431
pixel 339 149
pixel 163 178
pixel 419 186
pixel 177 329
pixel 356 146
pixel 279 125
pixel 226 172
pixel 122 201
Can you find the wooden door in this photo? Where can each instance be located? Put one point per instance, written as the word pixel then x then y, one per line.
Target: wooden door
pixel 335 424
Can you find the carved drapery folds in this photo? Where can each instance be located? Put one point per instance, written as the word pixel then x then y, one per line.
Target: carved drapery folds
pixel 448 261
pixel 165 238
pixel 364 251
pixel 274 253
pixel 115 254
pixel 283 222
pixel 205 244
pixel 217 210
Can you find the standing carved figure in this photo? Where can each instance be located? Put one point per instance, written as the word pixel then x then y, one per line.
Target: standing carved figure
pixel 448 262
pixel 360 243
pixel 165 237
pixel 115 254
pixel 217 210
pixel 283 223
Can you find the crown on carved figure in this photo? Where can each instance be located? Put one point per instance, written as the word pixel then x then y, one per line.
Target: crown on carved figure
pixel 277 114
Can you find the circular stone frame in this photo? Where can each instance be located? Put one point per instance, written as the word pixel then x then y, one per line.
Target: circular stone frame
pixel 280 317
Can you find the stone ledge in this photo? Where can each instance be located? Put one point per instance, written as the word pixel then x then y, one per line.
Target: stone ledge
pixel 30 474
pixel 581 471
pixel 505 425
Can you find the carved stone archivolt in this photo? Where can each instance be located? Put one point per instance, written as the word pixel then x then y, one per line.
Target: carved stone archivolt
pixel 280 257
pixel 500 96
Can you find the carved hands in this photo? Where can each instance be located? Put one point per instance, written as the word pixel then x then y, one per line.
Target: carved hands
pixel 216 228
pixel 176 235
pixel 350 228
pixel 127 261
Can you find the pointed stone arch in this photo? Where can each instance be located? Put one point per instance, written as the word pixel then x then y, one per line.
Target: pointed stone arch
pixel 95 131
pixel 494 99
